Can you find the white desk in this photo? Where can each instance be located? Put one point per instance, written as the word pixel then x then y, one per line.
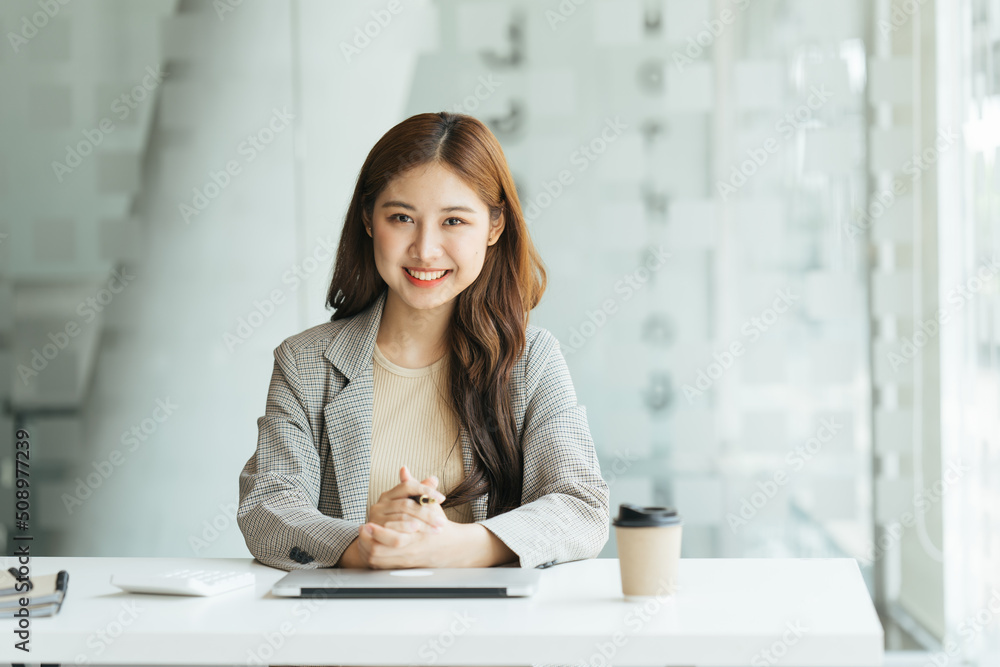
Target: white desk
pixel 728 612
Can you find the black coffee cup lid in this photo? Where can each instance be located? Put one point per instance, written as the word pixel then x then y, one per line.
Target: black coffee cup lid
pixel 637 516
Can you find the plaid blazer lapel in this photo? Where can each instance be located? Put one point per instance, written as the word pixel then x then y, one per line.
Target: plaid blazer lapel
pixel 349 416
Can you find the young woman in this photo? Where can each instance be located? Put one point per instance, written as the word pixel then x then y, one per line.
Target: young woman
pixel 428 365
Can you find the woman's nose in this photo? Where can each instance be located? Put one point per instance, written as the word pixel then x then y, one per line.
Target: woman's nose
pixel 428 241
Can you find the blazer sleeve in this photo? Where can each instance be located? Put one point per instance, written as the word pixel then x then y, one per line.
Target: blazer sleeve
pixel 565 510
pixel 280 484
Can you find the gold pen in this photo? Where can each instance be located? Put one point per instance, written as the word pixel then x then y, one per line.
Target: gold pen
pixel 423 499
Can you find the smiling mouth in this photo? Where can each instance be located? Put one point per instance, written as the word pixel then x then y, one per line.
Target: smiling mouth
pixel 433 275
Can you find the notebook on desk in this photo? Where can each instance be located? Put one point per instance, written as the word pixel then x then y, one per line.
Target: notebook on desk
pixel 43 593
pixel 457 582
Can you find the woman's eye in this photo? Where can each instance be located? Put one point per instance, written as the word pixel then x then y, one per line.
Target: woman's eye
pixel 399 217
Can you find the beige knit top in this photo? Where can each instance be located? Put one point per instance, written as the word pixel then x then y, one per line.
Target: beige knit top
pixel 414 426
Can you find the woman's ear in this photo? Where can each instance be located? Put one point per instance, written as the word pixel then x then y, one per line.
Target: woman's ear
pixel 496 228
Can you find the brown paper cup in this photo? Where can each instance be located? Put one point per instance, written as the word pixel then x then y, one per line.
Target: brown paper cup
pixel 649 557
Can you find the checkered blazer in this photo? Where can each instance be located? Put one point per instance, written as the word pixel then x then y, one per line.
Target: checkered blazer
pixel 304 492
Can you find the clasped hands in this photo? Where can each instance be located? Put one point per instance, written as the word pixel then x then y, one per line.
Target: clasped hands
pixel 401 533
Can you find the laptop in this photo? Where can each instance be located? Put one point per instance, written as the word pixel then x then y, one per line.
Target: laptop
pixel 454 582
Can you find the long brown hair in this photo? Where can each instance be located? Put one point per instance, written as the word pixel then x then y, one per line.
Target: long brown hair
pixel 487 333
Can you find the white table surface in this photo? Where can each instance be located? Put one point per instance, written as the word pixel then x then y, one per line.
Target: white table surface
pixel 728 612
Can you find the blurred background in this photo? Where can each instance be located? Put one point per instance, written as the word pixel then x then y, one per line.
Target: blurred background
pixel 772 232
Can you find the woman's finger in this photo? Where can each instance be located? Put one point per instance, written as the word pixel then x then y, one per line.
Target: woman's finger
pixel 413 524
pixel 412 487
pixel 408 486
pixel 401 510
pixel 389 537
pixel 408 526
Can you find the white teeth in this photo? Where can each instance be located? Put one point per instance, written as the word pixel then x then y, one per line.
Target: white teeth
pixel 420 275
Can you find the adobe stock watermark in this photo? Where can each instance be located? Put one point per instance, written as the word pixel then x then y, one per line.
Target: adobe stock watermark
pixel 621 465
pixel 902 12
pixel 562 12
pixel 752 329
pixel 487 86
pixel 637 617
pixel 122 107
pixel 778 649
pixel 102 639
pixel 248 149
pixel 956 299
pixel 581 158
pixel 272 642
pixel 714 28
pixel 31 26
pixel 796 460
pixel 131 440
pixel 785 127
pixel 88 310
pixel 626 286
pixel 263 309
pixel 922 502
pixel 432 650
pixel 212 529
pixel 381 18
pixel 914 167
pixel 223 7
pixel 970 627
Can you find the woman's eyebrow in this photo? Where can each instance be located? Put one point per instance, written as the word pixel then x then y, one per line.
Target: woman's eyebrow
pixel 446 209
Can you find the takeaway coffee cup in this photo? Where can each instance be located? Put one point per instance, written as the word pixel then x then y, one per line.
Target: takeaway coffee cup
pixel 649 550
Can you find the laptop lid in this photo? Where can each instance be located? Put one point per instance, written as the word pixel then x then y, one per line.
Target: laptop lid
pixel 457 582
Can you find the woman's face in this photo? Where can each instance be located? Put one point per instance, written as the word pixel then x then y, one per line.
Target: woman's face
pixel 428 220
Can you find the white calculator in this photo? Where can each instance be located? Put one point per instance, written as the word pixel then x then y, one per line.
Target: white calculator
pixel 184 582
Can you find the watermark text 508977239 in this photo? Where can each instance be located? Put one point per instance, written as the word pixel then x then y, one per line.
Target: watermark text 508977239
pixel 22 522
